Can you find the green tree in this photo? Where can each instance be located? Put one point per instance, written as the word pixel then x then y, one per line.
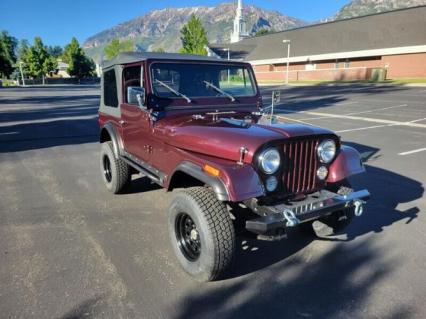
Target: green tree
pixel 159 50
pixel 55 51
pixel 262 31
pixel 193 37
pixel 116 46
pixel 36 59
pixel 79 65
pixel 7 54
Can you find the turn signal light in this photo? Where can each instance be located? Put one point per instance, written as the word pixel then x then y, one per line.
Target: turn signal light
pixel 211 170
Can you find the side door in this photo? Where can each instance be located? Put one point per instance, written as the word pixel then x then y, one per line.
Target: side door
pixel 135 121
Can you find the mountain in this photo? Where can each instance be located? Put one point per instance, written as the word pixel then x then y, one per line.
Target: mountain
pixel 358 8
pixel 161 28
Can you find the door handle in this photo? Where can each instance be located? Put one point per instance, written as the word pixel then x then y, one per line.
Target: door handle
pixel 122 122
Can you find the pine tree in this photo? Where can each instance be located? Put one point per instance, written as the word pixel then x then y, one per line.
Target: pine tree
pixel 193 37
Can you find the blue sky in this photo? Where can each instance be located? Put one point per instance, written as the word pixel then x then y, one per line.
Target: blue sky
pixel 56 21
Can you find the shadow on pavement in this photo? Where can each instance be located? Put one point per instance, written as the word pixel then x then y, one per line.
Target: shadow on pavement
pixel 305 98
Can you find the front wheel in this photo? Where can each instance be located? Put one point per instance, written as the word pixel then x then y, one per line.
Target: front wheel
pixel 201 233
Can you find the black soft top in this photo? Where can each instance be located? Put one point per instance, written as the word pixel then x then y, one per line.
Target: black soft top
pixel 131 57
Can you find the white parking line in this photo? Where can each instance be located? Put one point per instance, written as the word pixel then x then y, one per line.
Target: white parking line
pixel 364 128
pixel 413 151
pixel 355 113
pixel 358 118
pixel 381 109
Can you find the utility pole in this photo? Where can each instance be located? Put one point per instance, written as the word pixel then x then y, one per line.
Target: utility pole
pixel 288 59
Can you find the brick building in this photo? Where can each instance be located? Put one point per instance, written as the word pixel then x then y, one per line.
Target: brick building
pixel 351 49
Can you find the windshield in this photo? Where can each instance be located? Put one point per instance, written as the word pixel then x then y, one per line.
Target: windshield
pixel 177 80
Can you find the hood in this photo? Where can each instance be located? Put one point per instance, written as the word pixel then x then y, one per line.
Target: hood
pixel 224 137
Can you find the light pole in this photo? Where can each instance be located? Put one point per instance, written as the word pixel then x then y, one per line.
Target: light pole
pixel 229 58
pixel 288 59
pixel 22 73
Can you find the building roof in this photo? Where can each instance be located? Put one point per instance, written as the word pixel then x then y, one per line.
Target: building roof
pixel 131 57
pixel 395 29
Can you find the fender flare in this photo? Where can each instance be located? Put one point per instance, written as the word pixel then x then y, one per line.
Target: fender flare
pixel 115 138
pixel 348 162
pixel 195 171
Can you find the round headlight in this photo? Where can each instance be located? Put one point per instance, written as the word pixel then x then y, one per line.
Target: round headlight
pixel 322 172
pixel 326 151
pixel 271 183
pixel 269 161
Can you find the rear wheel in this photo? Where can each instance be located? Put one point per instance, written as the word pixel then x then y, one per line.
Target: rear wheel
pixel 201 233
pixel 335 222
pixel 115 172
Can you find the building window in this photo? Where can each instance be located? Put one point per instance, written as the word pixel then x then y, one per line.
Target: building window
pixel 110 89
pixel 347 64
pixel 336 65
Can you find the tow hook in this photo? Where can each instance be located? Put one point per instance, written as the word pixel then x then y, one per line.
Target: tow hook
pixel 291 219
pixel 359 207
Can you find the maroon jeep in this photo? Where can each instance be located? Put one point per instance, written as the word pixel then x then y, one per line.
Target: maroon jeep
pixel 197 124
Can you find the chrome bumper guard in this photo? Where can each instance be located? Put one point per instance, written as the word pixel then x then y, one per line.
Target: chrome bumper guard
pixel 315 205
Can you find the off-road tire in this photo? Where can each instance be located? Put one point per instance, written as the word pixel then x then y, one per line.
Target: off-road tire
pixel 117 176
pixel 214 226
pixel 337 221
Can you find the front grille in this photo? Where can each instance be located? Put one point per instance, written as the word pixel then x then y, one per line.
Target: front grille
pixel 300 166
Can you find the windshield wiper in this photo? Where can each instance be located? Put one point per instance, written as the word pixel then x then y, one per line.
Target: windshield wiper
pixel 174 91
pixel 219 90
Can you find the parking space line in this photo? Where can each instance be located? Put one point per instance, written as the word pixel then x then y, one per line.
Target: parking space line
pixel 364 128
pixel 355 113
pixel 365 119
pixel 381 109
pixel 413 151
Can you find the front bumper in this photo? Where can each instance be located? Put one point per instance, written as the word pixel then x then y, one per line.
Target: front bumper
pixel 316 205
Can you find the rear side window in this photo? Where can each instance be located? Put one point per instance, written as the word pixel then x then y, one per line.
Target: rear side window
pixel 110 89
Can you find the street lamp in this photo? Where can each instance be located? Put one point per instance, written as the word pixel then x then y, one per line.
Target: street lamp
pixel 229 57
pixel 288 58
pixel 22 73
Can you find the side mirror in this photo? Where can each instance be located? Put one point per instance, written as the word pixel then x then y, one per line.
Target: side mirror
pixel 136 95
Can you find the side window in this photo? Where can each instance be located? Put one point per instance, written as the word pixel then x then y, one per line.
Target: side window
pixel 110 89
pixel 132 77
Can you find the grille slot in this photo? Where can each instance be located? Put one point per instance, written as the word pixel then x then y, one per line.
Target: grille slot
pixel 299 175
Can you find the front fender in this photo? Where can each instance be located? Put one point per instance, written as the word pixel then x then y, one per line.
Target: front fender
pixel 347 163
pixel 235 183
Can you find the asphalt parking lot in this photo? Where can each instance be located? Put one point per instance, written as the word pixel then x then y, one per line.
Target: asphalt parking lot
pixel 70 249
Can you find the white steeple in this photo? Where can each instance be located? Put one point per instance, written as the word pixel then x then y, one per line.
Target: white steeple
pixel 239 31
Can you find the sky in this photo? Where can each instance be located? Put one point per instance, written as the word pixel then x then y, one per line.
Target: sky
pixel 57 21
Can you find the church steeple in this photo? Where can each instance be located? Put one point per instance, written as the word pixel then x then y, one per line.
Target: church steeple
pixel 239 32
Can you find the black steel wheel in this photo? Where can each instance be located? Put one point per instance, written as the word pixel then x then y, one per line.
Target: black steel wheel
pixel 201 233
pixel 115 172
pixel 188 237
pixel 107 168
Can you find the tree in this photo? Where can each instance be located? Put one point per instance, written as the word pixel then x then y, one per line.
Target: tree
pixel 193 37
pixel 36 59
pixel 159 50
pixel 115 47
pixel 262 31
pixel 7 54
pixel 79 65
pixel 55 51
